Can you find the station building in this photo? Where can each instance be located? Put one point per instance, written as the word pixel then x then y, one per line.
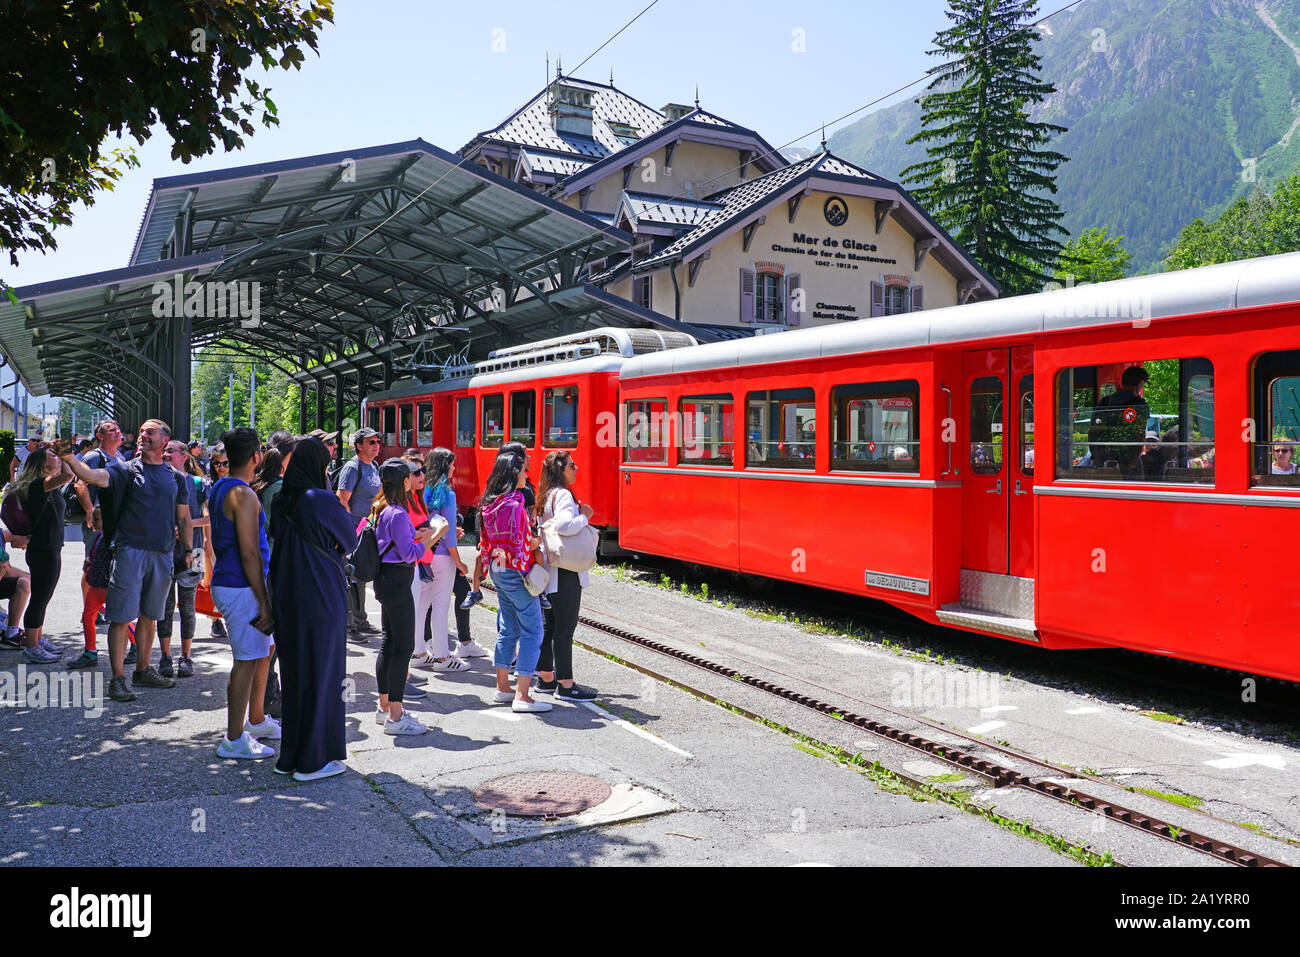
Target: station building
pixel 729 234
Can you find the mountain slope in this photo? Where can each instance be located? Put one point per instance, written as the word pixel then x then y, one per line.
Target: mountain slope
pixel 1164 101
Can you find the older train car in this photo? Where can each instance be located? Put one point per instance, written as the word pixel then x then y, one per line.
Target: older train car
pixel 1108 465
pixel 556 394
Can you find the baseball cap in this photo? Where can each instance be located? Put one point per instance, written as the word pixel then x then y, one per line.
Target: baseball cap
pixel 323 435
pixel 395 469
pixel 364 432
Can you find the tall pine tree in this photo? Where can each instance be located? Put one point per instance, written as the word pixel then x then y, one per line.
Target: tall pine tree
pixel 989 177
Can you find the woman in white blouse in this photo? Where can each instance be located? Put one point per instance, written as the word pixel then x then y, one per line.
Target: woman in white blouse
pixel 555 500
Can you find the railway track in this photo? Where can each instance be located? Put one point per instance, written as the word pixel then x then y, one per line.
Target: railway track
pixel 998 775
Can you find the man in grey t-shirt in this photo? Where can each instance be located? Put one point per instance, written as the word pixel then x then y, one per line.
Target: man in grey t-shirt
pixel 358 485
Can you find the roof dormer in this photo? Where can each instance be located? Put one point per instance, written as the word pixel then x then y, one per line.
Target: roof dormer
pixel 675 111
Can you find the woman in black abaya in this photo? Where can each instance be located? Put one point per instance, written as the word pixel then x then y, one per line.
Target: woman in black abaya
pixel 312 532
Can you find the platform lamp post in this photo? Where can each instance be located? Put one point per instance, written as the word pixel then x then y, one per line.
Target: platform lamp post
pixel 232 401
pixel 252 397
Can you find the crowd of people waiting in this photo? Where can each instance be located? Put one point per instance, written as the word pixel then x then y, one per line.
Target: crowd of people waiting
pixel 278 531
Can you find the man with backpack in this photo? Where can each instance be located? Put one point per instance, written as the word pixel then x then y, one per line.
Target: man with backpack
pixel 143 504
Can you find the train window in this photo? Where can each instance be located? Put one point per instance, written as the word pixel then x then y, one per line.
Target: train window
pixel 424 424
pixel 646 439
pixel 465 422
pixel 708 424
pixel 1277 422
pixel 560 417
pixel 781 429
pixel 390 425
pixel 875 426
pixel 1142 421
pixel 986 425
pixel 372 417
pixel 1027 425
pixel 494 421
pixel 523 417
pixel 407 433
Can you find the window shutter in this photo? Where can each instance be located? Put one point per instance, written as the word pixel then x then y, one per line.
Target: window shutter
pixel 792 318
pixel 918 298
pixel 747 295
pixel 877 299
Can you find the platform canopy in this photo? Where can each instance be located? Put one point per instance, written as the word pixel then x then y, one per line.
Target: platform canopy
pixel 344 269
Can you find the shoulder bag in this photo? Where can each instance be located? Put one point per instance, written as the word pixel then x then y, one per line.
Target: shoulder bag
pixel 576 552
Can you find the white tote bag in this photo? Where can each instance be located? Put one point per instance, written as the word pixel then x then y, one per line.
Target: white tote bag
pixel 576 552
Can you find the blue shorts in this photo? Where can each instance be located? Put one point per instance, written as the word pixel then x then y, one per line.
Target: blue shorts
pixel 138 581
pixel 238 607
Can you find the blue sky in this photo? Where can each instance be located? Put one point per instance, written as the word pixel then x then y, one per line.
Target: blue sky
pixel 393 70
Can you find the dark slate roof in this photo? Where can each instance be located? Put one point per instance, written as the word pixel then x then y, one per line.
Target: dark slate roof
pixel 736 202
pixel 530 125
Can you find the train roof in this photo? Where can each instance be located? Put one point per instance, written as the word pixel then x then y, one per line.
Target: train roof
pixel 1271 280
pixel 605 362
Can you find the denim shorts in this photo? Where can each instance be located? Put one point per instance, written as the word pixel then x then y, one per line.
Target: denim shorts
pixel 138 581
pixel 238 607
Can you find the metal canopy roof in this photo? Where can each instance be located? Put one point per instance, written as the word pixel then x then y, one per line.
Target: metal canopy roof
pixel 363 261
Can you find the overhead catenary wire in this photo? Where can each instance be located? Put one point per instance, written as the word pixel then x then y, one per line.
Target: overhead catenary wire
pixel 880 99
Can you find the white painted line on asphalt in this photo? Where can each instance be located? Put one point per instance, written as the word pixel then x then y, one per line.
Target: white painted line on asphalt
pixel 997 708
pixel 639 732
pixel 1087 710
pixel 1239 759
pixel 986 726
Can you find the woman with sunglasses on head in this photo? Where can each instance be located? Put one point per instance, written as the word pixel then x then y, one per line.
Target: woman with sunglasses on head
pixel 218 468
pixel 433 496
pixel 555 500
pixel 38 490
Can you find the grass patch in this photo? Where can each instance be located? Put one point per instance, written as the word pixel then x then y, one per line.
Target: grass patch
pixel 946 778
pixel 1164 716
pixel 1186 800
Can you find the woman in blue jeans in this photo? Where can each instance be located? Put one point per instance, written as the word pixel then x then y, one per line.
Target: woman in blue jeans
pixel 506 539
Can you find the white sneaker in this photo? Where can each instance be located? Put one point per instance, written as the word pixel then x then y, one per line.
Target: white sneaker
pixel 36 655
pixel 269 728
pixel 504 696
pixel 244 747
pixel 331 769
pixel 530 707
pixel 470 649
pixel 404 725
pixel 423 661
pixel 380 717
pixel 450 663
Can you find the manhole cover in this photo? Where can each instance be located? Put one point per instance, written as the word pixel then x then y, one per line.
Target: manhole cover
pixel 542 794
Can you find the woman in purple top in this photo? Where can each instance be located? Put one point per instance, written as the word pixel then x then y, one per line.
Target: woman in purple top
pixel 400 546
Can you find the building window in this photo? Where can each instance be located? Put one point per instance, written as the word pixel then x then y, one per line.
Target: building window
pixel 769 301
pixel 1153 425
pixel 894 298
pixel 641 291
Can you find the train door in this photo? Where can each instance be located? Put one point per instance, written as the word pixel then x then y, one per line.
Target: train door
pixel 997 502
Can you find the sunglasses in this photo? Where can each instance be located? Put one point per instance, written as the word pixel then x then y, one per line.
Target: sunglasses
pixel 220 464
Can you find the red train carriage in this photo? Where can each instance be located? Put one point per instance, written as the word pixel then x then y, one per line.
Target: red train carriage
pixel 548 395
pixel 898 459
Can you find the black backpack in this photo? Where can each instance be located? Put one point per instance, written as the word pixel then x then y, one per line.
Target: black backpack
pixel 364 560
